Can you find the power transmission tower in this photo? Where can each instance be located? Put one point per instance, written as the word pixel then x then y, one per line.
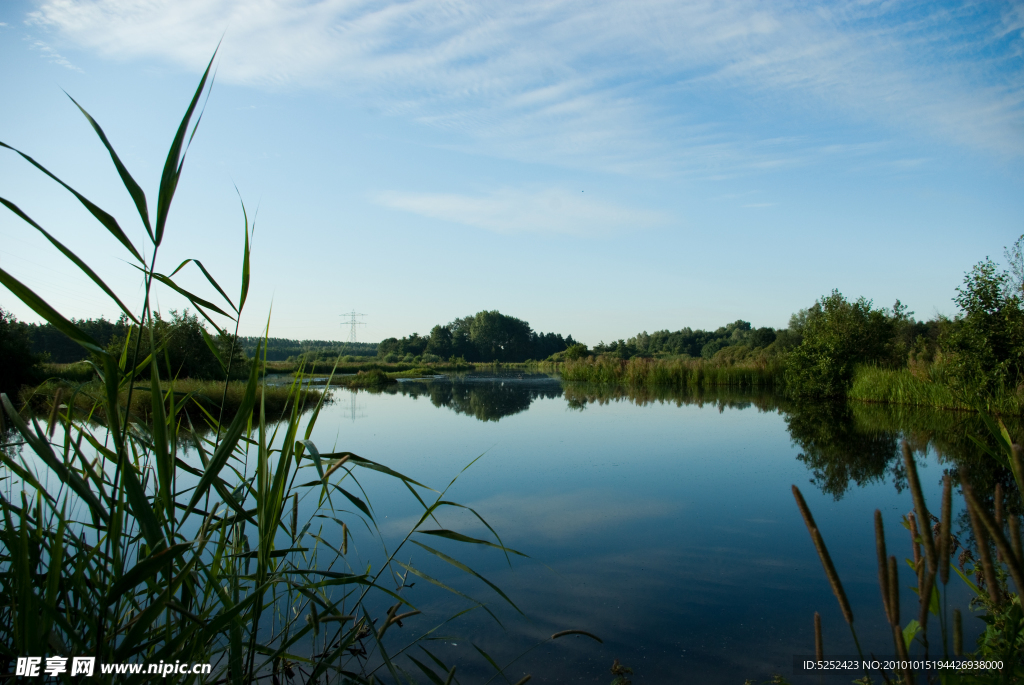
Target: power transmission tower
pixel 352 322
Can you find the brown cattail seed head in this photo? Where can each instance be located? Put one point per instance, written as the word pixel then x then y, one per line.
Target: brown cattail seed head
pixel 883 563
pixel 823 555
pixel 919 507
pixel 819 649
pixel 945 538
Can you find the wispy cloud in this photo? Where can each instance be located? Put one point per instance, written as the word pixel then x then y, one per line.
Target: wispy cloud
pixel 645 85
pixel 52 55
pixel 525 211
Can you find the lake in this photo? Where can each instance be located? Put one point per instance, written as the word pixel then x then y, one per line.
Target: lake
pixel 662 523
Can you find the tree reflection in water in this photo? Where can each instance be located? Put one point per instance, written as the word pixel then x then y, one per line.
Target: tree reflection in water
pixel 843 445
pixel 487 398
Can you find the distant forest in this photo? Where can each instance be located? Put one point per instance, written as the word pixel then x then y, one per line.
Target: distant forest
pixel 283 349
pixel 52 345
pixel 699 343
pixel 486 336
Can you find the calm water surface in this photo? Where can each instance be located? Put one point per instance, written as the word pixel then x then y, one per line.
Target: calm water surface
pixel 666 526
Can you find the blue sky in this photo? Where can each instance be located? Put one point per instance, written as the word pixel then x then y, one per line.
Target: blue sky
pixel 596 168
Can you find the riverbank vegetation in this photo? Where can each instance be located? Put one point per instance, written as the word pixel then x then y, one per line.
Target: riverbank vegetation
pixel 197 400
pixel 840 348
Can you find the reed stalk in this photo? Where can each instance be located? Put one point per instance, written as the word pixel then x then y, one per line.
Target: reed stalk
pixel 165 542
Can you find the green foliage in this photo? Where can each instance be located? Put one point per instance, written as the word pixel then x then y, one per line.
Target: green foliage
pixel 146 551
pixel 283 349
pixel 575 352
pixel 836 336
pixel 187 347
pixel 60 349
pixel 985 349
pixel 487 336
pixel 1003 638
pixel 678 373
pixel 689 342
pixel 20 366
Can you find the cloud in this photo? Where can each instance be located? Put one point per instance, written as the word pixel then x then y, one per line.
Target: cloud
pixel 524 211
pixel 52 55
pixel 647 86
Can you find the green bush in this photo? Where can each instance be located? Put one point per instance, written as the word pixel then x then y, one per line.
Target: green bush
pixel 836 336
pixel 984 348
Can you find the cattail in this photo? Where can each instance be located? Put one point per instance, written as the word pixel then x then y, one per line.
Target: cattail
pixel 997 497
pixel 451 676
pixel 958 633
pixel 945 538
pixel 883 563
pixel 819 649
pixel 51 423
pixel 295 514
pixel 983 551
pixel 894 605
pixel 894 591
pixel 826 560
pixel 918 559
pixel 925 590
pixel 1017 464
pixel 979 515
pixel 1015 542
pixel 919 506
pixel 344 539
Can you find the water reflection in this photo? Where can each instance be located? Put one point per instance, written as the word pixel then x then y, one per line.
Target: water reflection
pixel 487 398
pixel 843 445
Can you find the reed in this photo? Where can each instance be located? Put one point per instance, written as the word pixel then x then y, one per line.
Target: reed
pixel 677 373
pixel 928 388
pixel 148 551
pixel 195 399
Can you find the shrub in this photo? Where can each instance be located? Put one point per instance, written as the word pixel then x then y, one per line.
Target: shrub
pixel 836 336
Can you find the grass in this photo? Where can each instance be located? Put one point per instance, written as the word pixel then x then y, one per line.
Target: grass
pixel 923 386
pixel 78 372
pixel 196 399
pixel 688 373
pixel 144 551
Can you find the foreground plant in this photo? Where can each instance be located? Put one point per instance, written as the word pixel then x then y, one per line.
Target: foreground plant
pixel 142 539
pixel 1000 648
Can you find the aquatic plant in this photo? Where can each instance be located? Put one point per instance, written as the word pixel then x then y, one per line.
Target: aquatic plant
pixel 120 544
pixel 678 373
pixel 933 546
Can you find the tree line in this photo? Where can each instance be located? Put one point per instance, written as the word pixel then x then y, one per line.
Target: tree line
pixel 486 336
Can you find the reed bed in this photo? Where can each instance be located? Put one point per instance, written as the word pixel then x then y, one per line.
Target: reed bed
pixel 925 387
pixel 195 399
pixel 144 551
pixel 680 373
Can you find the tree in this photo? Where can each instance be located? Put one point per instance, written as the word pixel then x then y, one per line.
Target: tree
pixel 985 345
pixel 440 342
pixel 837 335
pixel 182 343
pixel 498 337
pixel 19 366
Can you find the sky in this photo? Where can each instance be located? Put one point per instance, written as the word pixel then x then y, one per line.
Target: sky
pixel 595 168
